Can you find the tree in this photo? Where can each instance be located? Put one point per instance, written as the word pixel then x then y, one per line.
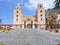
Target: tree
pixel 57 3
pixel 0 21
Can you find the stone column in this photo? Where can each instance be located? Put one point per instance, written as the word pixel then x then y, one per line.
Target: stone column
pixel 14 27
pixel 3 27
pixel 23 25
pixel 26 25
pixel 33 24
pixel 39 26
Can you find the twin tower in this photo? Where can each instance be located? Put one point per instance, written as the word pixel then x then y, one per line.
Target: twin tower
pixel 36 21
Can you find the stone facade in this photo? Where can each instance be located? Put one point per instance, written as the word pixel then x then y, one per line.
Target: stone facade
pixel 44 19
pixel 37 21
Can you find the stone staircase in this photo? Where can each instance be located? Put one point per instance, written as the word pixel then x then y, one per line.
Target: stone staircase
pixel 29 36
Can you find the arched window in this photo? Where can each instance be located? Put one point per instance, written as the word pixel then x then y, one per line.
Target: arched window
pixel 41 11
pixel 40 6
pixel 16 19
pixel 41 18
pixel 41 14
pixel 17 11
pixel 17 7
pixel 16 15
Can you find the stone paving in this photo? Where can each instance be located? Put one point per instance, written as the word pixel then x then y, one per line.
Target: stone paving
pixel 29 37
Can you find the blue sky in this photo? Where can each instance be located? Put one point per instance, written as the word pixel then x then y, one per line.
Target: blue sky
pixel 28 8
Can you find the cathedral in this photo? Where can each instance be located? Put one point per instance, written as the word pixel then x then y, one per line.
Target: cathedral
pixel 43 19
pixel 36 21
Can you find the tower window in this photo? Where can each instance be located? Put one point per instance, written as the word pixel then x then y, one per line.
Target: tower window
pixel 41 18
pixel 41 14
pixel 16 15
pixel 41 11
pixel 17 7
pixel 16 19
pixel 17 11
pixel 40 6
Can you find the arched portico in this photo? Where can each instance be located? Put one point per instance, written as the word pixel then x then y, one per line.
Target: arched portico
pixel 29 23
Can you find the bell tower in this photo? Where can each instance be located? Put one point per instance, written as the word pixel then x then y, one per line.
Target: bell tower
pixel 41 16
pixel 17 14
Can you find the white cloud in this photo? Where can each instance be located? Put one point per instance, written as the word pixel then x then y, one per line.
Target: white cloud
pixel 32 4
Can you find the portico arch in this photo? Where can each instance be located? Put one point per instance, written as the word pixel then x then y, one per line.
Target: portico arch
pixel 29 25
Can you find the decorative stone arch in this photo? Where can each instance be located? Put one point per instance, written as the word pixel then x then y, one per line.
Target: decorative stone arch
pixel 28 23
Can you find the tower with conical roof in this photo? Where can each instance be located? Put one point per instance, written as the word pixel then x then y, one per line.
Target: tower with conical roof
pixel 17 14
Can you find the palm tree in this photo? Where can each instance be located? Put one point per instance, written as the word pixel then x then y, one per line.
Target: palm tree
pixel 57 3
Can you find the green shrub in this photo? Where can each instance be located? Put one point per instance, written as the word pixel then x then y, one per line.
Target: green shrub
pixel 8 28
pixel 46 29
pixel 56 31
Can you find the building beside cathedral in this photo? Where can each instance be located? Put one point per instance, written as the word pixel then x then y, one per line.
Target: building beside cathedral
pixel 36 21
